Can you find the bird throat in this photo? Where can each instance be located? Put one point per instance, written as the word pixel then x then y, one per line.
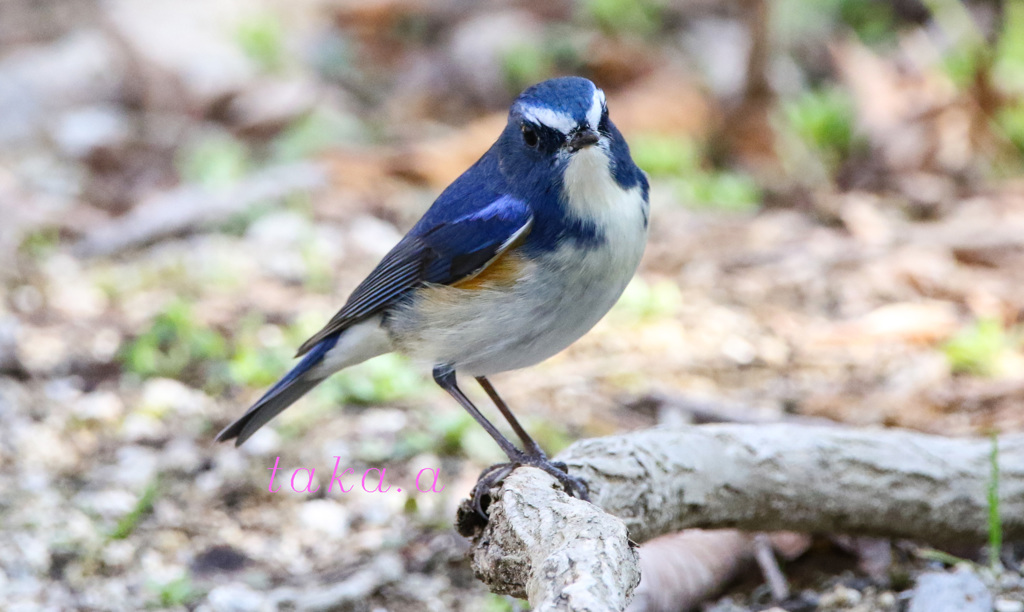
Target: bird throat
pixel 589 190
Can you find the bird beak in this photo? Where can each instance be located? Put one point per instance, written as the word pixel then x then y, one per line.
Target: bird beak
pixel 583 138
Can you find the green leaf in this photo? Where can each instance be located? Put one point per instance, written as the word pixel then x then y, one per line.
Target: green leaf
pixel 995 521
pixel 729 191
pixel 664 155
pixel 641 17
pixel 1010 121
pixel 262 39
pixel 976 350
pixel 176 593
pixel 215 161
pixel 143 507
pixel 824 120
pixel 174 346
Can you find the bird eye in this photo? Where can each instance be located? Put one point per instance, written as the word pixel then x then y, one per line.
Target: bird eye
pixel 530 136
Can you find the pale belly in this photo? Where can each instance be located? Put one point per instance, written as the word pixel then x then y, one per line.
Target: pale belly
pixel 555 301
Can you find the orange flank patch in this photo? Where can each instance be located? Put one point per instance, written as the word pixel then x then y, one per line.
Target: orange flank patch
pixel 502 272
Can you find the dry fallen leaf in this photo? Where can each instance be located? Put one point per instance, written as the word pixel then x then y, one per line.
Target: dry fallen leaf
pixel 924 322
pixel 667 102
pixel 909 108
pixel 681 570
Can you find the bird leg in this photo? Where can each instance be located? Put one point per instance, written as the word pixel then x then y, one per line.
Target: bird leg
pixel 445 377
pixel 574 486
pixel 531 447
pixel 534 457
pixel 533 450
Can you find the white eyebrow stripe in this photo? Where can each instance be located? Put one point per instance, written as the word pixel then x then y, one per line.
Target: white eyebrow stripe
pixel 596 109
pixel 551 118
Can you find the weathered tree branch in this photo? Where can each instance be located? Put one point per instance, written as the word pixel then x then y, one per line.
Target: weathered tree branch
pixel 558 552
pixel 563 554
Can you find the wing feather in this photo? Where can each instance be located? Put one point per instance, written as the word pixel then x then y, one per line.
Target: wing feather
pixel 444 253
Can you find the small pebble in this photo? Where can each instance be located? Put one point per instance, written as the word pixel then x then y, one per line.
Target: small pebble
pixel 234 597
pixel 136 467
pixel 325 516
pixel 103 406
pixel 960 591
pixel 839 597
pixel 1009 605
pixel 164 394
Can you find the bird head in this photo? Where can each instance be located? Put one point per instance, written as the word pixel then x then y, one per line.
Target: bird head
pixel 553 123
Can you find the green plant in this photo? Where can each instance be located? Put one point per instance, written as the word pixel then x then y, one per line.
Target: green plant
pixel 40 242
pixel 731 191
pixel 442 436
pixel 238 223
pixel 644 302
pixel 143 507
pixel 377 381
pixel 995 522
pixel 550 435
pixel 251 363
pixel 681 159
pixel 525 64
pixel 977 349
pixel 641 17
pixel 1010 121
pixel 501 603
pixel 802 22
pixel 176 593
pixel 174 346
pixel 665 155
pixel 1008 67
pixel 824 120
pixel 214 161
pixel 413 28
pixel 314 133
pixel 962 62
pixel 448 430
pixel 380 380
pixel 931 554
pixel 261 37
pixel 319 275
pixel 967 52
pixel 873 22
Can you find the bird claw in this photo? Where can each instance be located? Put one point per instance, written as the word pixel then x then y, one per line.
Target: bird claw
pixel 489 478
pixel 493 476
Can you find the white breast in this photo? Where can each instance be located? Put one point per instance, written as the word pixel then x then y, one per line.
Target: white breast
pixel 591 194
pixel 585 280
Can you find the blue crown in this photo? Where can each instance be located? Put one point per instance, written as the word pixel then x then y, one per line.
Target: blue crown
pixel 572 96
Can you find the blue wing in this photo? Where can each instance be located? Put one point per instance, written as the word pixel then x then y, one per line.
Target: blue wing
pixel 469 226
pixel 458 237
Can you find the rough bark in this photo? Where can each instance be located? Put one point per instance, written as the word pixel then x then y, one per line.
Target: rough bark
pixel 558 552
pixel 563 554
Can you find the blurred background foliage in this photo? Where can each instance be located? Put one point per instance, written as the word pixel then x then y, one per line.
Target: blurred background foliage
pixel 190 188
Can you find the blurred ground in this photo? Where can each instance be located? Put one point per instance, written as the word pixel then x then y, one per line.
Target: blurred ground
pixel 188 189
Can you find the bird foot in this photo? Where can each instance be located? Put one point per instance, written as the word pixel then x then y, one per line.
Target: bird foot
pixel 493 476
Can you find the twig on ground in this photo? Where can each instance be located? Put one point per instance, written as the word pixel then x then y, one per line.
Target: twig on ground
pixel 189 208
pixel 770 567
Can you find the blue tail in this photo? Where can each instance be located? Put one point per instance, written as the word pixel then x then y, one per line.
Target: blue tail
pixel 294 385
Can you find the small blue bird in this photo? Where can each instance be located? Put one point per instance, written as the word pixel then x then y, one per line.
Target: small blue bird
pixel 516 260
